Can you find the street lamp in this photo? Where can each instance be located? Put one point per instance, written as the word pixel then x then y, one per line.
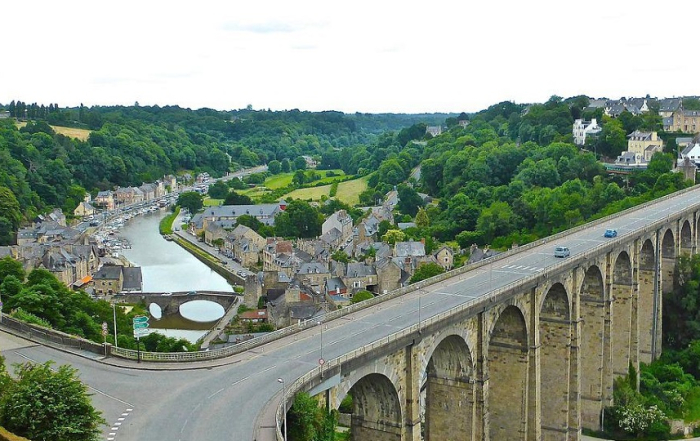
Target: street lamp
pixel 284 404
pixel 420 291
pixel 114 310
pixel 321 360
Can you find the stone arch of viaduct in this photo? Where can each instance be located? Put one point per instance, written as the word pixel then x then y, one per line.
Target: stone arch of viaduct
pixel 537 364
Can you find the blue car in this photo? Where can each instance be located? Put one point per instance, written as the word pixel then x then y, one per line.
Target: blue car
pixel 610 233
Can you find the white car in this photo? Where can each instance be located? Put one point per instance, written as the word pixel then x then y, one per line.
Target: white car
pixel 561 252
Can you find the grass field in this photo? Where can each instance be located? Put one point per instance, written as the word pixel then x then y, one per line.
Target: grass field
pixel 313 193
pixel 81 134
pixel 348 191
pixel 209 202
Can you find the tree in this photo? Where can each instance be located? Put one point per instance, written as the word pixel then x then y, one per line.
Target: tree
pixel 299 177
pixel 234 198
pixel 274 167
pixel 362 295
pixel 409 200
pixel 422 219
pixel 47 405
pixel 340 256
pixel 426 271
pixel 286 166
pixel 190 200
pixel 11 267
pixel 218 190
pixel 299 220
pixel 299 163
pixel 9 207
pixel 393 236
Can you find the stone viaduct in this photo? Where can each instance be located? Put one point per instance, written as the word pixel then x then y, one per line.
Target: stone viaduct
pixel 170 304
pixel 536 362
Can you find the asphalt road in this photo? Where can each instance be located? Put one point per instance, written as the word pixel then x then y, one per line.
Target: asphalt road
pixel 222 402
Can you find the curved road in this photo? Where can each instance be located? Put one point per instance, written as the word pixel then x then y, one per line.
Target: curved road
pixel 221 400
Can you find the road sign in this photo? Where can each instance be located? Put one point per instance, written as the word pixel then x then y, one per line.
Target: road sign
pixel 140 332
pixel 321 361
pixel 140 319
pixel 143 325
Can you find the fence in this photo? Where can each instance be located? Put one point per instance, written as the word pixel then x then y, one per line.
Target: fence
pixel 50 336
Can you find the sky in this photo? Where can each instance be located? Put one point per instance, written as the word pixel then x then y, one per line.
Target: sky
pixel 351 56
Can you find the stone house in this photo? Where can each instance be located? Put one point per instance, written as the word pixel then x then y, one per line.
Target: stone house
pixel 444 257
pixel 341 221
pixel 113 279
pixel 314 275
pixel 170 181
pixel 255 317
pixel 641 146
pixel 686 121
pixel 128 196
pixel 360 276
pixel 84 209
pixel 108 280
pixel 214 232
pixel 105 199
pixel 149 191
pixel 274 248
pixel 336 287
pixel 390 275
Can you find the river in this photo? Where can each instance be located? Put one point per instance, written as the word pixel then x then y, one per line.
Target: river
pixel 167 267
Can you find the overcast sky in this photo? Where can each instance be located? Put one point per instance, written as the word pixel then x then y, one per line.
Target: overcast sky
pixel 352 56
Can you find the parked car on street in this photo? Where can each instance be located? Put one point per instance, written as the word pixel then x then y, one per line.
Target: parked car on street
pixel 610 233
pixel 561 252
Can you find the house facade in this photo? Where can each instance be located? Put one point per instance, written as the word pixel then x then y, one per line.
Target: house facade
pixel 686 121
pixel 583 128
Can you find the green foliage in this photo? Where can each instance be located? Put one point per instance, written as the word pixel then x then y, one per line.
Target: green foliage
pixel 362 295
pixel 191 200
pixel 46 405
pixel 234 198
pixel 346 406
pixel 11 267
pixel 155 342
pixel 426 271
pixel 299 219
pixel 28 317
pixel 218 190
pixel 309 422
pixel 274 167
pixel 681 318
pixel 166 224
pixel 334 189
pixel 340 256
pixel 409 200
pixel 393 236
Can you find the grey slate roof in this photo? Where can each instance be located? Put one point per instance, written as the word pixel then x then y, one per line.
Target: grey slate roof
pixel 108 272
pixel 133 280
pixel 411 248
pixel 360 270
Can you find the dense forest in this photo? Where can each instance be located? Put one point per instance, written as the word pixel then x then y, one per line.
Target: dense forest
pixel 132 145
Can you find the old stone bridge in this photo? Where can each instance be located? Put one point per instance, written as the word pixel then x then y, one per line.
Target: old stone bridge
pixel 531 345
pixel 170 302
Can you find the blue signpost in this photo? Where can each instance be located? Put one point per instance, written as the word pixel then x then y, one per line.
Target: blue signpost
pixel 140 325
